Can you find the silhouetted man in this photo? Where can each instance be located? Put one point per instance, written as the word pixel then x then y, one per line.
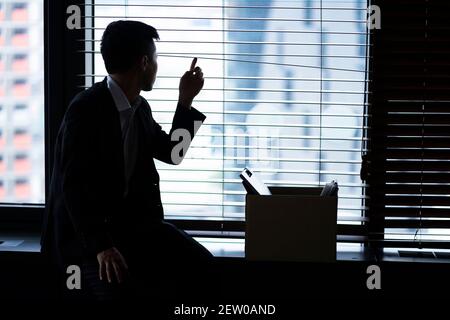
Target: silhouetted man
pixel 104 209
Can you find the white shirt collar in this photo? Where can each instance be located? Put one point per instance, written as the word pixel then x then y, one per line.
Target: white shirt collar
pixel 120 99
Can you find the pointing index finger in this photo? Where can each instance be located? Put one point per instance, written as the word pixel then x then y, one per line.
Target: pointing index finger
pixel 194 61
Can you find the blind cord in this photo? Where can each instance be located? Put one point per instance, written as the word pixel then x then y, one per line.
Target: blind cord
pixel 364 143
pixel 321 93
pixel 424 84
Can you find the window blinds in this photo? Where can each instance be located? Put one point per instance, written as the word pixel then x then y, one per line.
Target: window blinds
pixel 285 94
pixel 409 127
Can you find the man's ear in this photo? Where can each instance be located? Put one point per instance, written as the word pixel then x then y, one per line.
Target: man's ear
pixel 144 62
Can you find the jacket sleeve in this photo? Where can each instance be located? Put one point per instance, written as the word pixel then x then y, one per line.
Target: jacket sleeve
pixel 78 166
pixel 164 144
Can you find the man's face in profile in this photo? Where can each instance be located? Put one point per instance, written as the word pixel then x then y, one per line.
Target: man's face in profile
pixel 150 69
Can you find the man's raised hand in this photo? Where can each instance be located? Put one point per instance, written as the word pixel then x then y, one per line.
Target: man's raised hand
pixel 190 85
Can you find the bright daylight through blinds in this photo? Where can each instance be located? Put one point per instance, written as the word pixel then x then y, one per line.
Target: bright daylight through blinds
pixel 284 94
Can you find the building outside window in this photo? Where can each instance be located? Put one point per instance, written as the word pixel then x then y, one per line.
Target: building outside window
pixel 21 102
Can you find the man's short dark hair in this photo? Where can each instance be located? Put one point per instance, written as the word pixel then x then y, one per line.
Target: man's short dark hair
pixel 124 42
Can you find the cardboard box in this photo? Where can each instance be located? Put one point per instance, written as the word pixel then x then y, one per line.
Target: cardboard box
pixel 292 224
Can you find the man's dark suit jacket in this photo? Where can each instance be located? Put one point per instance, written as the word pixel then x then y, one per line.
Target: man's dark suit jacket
pixel 86 211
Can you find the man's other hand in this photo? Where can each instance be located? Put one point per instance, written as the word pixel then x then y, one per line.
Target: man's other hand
pixel 190 84
pixel 112 265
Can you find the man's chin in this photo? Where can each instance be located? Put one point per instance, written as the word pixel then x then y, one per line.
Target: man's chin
pixel 148 86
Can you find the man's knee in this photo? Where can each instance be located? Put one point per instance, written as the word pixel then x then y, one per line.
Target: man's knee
pixel 185 245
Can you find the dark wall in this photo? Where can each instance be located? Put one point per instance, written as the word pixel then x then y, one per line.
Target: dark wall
pixel 25 276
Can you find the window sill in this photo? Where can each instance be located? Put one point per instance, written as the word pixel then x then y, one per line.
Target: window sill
pixel 13 242
pixel 222 248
